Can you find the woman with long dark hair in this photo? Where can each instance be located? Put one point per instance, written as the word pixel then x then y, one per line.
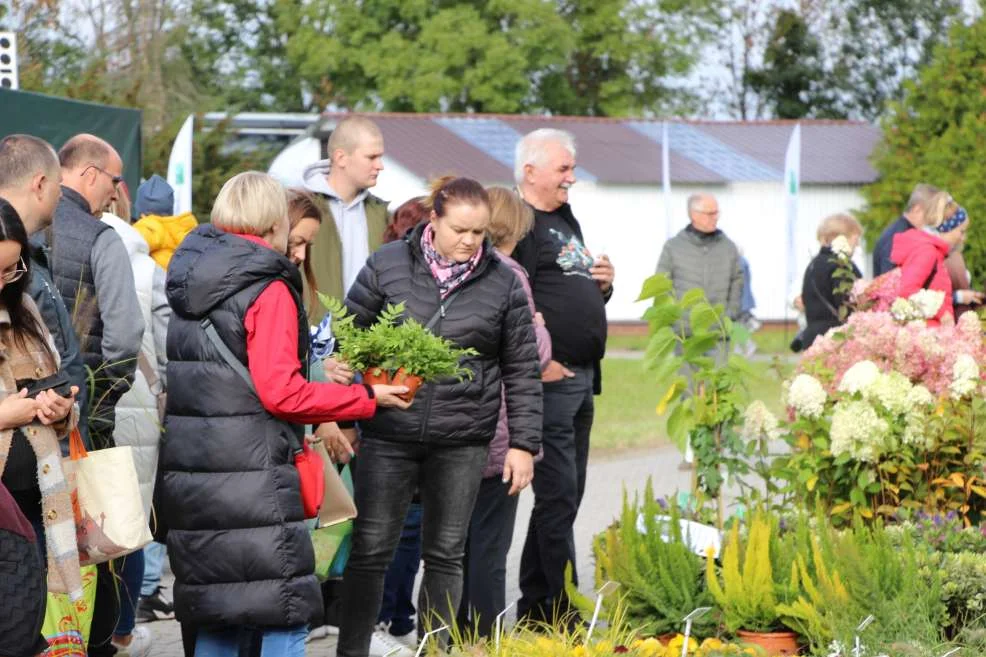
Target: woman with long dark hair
pixel 30 457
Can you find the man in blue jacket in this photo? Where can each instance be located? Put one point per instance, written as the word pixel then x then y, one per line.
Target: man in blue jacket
pixel 913 217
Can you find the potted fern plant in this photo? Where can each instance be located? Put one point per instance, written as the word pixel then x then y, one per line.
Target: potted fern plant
pixel 746 592
pixel 395 350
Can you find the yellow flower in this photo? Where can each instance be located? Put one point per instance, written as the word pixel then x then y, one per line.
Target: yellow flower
pixel 579 651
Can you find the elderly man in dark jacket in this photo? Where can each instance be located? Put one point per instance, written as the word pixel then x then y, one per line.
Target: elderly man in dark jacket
pixel 91 269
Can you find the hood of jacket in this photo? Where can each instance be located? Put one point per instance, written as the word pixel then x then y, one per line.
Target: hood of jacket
pixel 210 266
pixel 132 239
pixel 315 177
pixel 165 232
pixel 910 241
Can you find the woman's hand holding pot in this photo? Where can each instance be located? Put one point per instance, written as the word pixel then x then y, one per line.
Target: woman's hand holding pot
pixel 338 371
pixel 518 469
pixel 387 396
pixel 17 410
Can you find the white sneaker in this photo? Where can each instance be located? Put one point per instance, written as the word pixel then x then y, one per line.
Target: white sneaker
pixel 410 639
pixel 139 646
pixel 382 644
pixel 321 632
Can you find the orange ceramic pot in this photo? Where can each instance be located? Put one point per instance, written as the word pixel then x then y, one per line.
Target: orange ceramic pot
pixel 774 643
pixel 412 381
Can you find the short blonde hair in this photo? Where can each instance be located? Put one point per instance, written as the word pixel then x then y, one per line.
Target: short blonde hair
pixel 938 208
pixel 510 218
pixel 250 203
pixel 350 133
pixel 836 225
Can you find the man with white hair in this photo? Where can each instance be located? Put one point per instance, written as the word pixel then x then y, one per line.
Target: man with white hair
pixel 571 287
pixel 913 217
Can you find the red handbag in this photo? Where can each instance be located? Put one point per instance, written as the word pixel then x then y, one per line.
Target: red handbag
pixel 311 474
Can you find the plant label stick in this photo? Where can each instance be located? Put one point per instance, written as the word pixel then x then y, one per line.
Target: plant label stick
pixel 604 590
pixel 696 614
pixel 428 635
pixel 499 624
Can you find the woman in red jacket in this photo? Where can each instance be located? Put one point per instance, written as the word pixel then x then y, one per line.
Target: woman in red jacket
pixel 921 254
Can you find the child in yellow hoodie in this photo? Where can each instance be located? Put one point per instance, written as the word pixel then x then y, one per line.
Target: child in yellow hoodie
pixel 162 229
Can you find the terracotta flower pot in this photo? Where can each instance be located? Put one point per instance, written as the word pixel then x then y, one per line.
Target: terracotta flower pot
pixel 412 381
pixel 376 376
pixel 774 643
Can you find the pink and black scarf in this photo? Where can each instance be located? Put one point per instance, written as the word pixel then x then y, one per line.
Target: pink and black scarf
pixel 449 274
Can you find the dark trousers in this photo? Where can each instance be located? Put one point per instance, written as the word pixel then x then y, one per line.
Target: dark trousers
pixel 105 610
pixel 448 480
pixel 397 607
pixel 559 482
pixel 490 533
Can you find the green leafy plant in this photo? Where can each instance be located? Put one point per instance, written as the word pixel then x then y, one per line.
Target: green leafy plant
pixel 661 578
pixel 395 342
pixel 689 347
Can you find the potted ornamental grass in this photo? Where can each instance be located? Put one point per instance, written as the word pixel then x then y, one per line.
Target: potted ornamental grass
pixel 396 350
pixel 745 590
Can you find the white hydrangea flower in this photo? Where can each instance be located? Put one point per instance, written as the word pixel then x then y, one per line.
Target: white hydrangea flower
pixel 859 377
pixel 807 396
pixel 903 310
pixel 927 302
pixel 965 376
pixel 858 430
pixel 841 247
pixel 892 391
pixel 759 421
pixel 919 396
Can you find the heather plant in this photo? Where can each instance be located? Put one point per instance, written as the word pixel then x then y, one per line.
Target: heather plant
pixel 649 554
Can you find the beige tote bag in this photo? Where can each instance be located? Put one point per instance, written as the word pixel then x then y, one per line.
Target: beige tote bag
pixel 109 514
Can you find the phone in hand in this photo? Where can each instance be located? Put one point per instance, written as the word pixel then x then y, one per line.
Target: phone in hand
pixel 57 382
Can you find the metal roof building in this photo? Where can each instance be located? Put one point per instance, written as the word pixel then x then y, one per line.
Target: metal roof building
pixel 618 199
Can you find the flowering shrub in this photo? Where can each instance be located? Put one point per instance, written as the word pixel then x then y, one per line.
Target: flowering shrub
pixel 883 415
pixel 923 354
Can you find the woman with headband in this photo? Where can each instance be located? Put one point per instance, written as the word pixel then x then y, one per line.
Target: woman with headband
pixel 921 255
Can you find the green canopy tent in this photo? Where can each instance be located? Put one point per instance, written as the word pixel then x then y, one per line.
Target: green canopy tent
pixel 57 119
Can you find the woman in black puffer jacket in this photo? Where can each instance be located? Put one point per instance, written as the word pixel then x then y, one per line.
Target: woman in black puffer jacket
pixel 440 444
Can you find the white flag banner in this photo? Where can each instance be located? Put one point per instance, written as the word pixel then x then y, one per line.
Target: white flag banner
pixel 792 185
pixel 180 167
pixel 666 179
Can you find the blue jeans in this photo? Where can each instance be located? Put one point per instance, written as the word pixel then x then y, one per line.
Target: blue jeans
pixel 153 565
pixel 128 585
pixel 286 642
pixel 398 586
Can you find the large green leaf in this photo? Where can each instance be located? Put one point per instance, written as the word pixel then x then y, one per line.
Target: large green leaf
pixel 702 317
pixel 664 314
pixel 660 346
pixel 656 286
pixel 692 297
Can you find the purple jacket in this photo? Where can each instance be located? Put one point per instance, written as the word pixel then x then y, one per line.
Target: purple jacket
pixel 501 440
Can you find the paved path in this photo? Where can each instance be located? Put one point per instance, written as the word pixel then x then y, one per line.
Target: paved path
pixel 608 474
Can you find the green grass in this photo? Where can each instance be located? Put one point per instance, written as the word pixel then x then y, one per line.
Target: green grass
pixel 625 412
